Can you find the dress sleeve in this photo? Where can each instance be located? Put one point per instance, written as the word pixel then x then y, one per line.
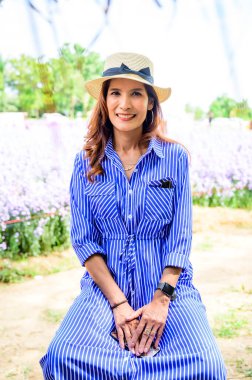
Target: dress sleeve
pixel 177 246
pixel 84 235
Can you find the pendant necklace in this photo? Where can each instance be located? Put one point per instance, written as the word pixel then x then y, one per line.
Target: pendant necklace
pixel 131 166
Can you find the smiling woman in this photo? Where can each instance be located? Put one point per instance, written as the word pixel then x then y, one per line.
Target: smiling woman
pixel 131 227
pixel 148 98
pixel 128 103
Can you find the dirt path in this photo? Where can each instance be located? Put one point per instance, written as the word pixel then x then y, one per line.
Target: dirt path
pixel 221 257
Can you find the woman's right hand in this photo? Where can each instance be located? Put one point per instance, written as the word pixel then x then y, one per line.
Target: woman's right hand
pixel 125 329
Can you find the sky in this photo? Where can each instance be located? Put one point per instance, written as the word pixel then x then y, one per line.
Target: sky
pixel 200 48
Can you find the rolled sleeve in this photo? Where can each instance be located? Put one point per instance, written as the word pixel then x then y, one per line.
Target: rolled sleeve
pixel 177 245
pixel 84 235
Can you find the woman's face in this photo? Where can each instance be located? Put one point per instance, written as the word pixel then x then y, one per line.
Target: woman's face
pixel 127 103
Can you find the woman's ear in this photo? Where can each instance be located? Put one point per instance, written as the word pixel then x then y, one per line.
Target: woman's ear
pixel 150 104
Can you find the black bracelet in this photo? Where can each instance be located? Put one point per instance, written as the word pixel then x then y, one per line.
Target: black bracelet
pixel 118 304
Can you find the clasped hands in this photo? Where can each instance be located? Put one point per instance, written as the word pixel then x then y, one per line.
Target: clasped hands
pixel 141 333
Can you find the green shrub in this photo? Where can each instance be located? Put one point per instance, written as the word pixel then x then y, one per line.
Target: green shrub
pixel 239 199
pixel 36 236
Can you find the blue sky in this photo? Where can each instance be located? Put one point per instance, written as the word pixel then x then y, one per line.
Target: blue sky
pixel 200 48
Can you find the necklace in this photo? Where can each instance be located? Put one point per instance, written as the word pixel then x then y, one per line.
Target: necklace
pixel 131 166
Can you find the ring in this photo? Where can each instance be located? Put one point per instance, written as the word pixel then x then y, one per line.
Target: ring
pixel 147 332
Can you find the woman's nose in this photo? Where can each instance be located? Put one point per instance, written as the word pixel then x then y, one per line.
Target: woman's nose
pixel 125 103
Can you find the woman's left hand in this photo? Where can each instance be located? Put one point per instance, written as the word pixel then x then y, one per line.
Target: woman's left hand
pixel 151 326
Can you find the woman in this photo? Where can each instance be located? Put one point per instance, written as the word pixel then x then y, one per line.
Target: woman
pixel 131 227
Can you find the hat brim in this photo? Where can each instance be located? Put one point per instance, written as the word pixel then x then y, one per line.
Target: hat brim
pixel 94 86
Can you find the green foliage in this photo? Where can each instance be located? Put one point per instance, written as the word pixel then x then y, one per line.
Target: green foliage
pixel 22 80
pixel 189 108
pixel 224 106
pixel 70 71
pixel 242 110
pixel 10 274
pixel 239 199
pixel 248 372
pixel 57 85
pixel 197 112
pixel 25 239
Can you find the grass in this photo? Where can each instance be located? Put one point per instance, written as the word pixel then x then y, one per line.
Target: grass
pixel 10 375
pixel 17 271
pixel 53 315
pixel 206 245
pixel 242 367
pixel 244 290
pixel 24 374
pixel 229 325
pixel 241 289
pixel 10 274
pixel 249 349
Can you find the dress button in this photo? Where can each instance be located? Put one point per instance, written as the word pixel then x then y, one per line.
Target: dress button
pixel 130 191
pixel 129 216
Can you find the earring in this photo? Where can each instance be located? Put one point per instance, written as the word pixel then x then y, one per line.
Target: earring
pixel 152 116
pixel 146 121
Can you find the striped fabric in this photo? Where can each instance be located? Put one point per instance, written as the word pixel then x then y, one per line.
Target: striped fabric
pixel 140 227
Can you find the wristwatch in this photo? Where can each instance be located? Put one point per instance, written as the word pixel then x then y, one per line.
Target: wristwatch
pixel 167 289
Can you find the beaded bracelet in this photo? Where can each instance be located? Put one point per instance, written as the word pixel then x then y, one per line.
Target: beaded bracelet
pixel 118 304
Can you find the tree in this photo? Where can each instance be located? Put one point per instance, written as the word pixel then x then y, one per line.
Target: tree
pixel 37 86
pixel 23 80
pixel 242 110
pixel 222 106
pixel 197 112
pixel 70 71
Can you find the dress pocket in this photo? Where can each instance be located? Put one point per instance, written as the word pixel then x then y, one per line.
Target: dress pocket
pixel 102 199
pixel 159 199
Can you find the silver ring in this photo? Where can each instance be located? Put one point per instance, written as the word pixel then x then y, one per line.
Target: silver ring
pixel 147 332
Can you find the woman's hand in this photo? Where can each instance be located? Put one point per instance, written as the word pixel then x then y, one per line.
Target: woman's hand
pixel 151 326
pixel 125 329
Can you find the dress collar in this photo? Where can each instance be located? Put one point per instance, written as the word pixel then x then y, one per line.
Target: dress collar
pixel 157 146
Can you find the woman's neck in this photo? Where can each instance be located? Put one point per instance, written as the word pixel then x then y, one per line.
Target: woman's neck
pixel 126 142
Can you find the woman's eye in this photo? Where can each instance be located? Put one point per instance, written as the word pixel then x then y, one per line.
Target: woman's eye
pixel 116 93
pixel 136 93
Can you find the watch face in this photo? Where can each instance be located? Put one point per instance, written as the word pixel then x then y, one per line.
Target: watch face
pixel 168 289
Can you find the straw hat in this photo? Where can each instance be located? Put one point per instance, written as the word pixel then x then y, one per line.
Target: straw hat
pixel 129 66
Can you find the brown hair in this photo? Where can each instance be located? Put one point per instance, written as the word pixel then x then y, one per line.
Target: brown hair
pixel 100 129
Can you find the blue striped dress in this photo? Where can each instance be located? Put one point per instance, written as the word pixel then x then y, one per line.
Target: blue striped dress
pixel 140 228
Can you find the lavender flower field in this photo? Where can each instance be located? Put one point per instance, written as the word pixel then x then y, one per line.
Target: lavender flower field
pixel 221 159
pixel 36 159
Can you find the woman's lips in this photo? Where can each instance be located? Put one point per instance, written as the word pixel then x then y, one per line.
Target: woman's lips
pixel 125 117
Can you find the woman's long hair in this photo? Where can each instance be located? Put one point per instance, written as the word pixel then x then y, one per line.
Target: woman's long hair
pixel 100 129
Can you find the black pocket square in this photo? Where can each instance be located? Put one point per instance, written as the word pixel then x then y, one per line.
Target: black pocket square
pixel 167 184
